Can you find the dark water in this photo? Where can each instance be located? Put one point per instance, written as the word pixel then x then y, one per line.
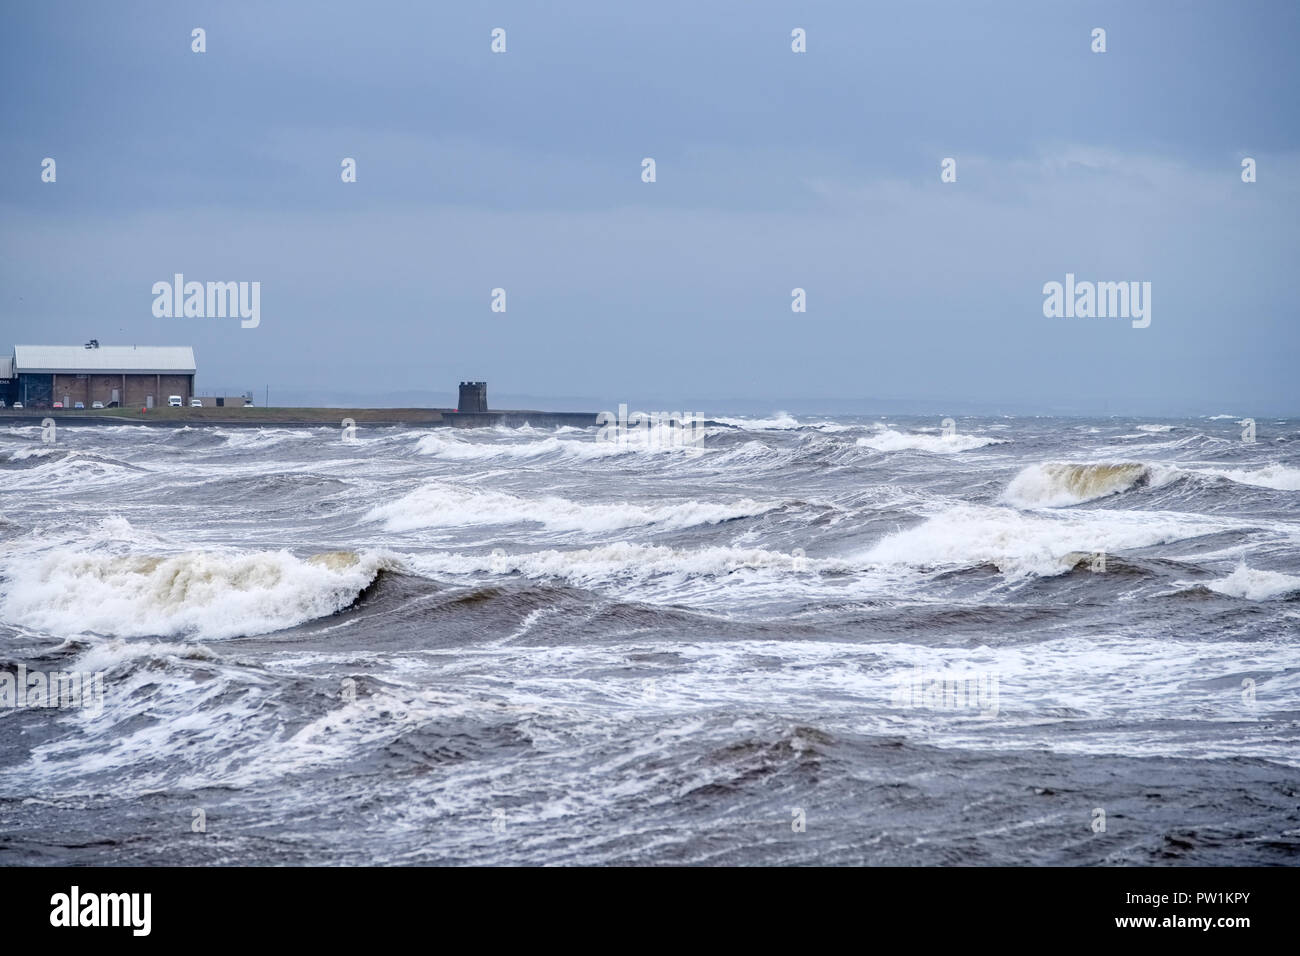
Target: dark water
pixel 523 646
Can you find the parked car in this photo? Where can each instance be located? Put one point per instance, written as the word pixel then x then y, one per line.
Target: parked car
pixel 248 404
pixel 196 403
pixel 96 404
pixel 58 404
pixel 81 405
pixel 18 404
pixel 174 401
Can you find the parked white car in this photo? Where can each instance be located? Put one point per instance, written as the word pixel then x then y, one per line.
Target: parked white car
pixel 96 404
pixel 174 401
pixel 196 403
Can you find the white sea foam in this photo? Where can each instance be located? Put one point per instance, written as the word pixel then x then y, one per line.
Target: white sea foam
pixel 780 421
pixel 658 439
pixel 198 594
pixel 1019 544
pixel 751 453
pixel 454 449
pixel 1256 585
pixel 105 655
pixel 1057 484
pixel 257 438
pixel 72 471
pixel 1275 476
pixel 890 440
pixel 623 560
pixel 36 451
pixel 440 505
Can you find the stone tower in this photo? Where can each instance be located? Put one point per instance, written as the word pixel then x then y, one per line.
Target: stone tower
pixel 473 397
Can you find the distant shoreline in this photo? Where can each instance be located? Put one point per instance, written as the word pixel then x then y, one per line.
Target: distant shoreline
pixel 299 417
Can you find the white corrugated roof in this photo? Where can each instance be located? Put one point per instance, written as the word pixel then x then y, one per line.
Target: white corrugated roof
pixel 6 366
pixel 106 358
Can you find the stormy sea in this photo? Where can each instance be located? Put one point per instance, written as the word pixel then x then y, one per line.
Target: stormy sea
pixel 802 641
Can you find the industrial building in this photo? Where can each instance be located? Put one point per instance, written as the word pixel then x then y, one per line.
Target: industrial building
pixel 126 375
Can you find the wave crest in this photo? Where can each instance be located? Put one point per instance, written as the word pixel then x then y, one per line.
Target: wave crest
pixel 890 440
pixel 1056 484
pixel 199 594
pixel 447 506
pixel 1256 585
pixel 1018 544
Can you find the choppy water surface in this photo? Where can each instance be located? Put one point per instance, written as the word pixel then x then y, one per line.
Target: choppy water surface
pixel 524 646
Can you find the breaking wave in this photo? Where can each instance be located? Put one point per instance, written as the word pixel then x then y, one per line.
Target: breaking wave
pixel 198 594
pixel 780 421
pixel 448 506
pixel 1277 477
pixel 1058 484
pixel 1256 585
pixel 660 438
pixel 587 567
pixel 890 440
pixel 1019 544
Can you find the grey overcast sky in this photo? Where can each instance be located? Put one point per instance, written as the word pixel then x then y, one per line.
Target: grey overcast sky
pixel 775 170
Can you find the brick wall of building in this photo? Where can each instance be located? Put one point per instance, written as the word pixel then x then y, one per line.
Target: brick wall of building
pixel 99 388
pixel 176 385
